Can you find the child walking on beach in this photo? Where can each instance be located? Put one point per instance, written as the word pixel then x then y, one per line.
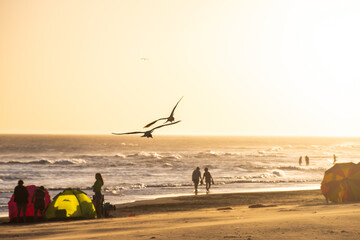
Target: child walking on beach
pixel 208 179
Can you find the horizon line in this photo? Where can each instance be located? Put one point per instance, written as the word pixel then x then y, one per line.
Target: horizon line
pixel 186 134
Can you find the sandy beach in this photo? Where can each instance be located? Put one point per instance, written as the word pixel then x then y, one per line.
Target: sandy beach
pixel 272 215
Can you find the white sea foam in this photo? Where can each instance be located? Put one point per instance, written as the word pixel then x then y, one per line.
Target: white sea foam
pixel 145 155
pixel 70 161
pixel 130 144
pixel 278 173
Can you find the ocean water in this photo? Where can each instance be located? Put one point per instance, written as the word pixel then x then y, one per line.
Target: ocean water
pixel 136 168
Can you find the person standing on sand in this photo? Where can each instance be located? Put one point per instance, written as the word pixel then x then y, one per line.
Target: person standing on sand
pixel 307 160
pixel 334 159
pixel 98 197
pixel 38 200
pixel 300 160
pixel 208 179
pixel 21 199
pixel 196 177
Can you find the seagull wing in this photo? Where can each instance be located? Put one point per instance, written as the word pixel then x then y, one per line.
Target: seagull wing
pixel 127 133
pixel 165 125
pixel 172 112
pixel 148 125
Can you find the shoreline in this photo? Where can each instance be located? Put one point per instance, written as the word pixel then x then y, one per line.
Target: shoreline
pixel 176 195
pixel 190 201
pixel 201 201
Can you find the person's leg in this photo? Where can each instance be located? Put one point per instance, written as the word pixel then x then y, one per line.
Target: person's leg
pixel 35 213
pixel 101 205
pixel 24 205
pixel 97 206
pixel 196 185
pixel 42 213
pixel 18 208
pixel 99 210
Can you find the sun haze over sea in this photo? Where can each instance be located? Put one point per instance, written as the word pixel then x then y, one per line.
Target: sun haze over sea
pixel 244 67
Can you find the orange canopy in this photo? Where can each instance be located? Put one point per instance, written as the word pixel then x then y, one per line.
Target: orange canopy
pixel 341 183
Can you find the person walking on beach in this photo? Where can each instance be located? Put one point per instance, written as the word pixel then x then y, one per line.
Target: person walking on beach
pixel 38 200
pixel 208 179
pixel 307 160
pixel 196 177
pixel 21 199
pixel 98 197
pixel 300 160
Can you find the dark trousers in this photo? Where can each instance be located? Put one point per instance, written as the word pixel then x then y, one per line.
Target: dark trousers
pixel 99 199
pixel 21 208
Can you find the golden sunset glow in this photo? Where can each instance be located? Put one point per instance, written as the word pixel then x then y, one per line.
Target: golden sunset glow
pixel 244 67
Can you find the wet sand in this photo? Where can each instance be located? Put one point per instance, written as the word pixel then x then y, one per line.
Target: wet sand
pixel 272 215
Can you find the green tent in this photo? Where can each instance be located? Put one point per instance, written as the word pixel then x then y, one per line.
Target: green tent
pixel 71 203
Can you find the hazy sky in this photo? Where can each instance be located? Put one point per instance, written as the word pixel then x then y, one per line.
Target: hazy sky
pixel 245 67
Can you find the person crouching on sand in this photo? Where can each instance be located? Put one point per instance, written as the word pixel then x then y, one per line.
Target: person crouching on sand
pixel 196 177
pixel 208 179
pixel 98 198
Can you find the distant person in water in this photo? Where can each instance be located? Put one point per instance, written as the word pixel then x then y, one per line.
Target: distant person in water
pixel 98 197
pixel 21 199
pixel 307 160
pixel 196 177
pixel 334 159
pixel 38 200
pixel 300 160
pixel 208 179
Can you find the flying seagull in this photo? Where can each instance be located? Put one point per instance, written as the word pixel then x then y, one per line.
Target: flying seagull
pixel 147 133
pixel 168 119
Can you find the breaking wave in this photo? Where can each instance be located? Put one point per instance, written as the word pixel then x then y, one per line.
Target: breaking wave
pixel 46 162
pixel 119 155
pixel 145 155
pixel 129 144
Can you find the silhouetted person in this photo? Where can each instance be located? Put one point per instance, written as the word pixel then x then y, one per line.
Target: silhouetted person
pixel 307 160
pixel 208 179
pixel 21 199
pixel 300 160
pixel 334 159
pixel 98 197
pixel 38 200
pixel 196 177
